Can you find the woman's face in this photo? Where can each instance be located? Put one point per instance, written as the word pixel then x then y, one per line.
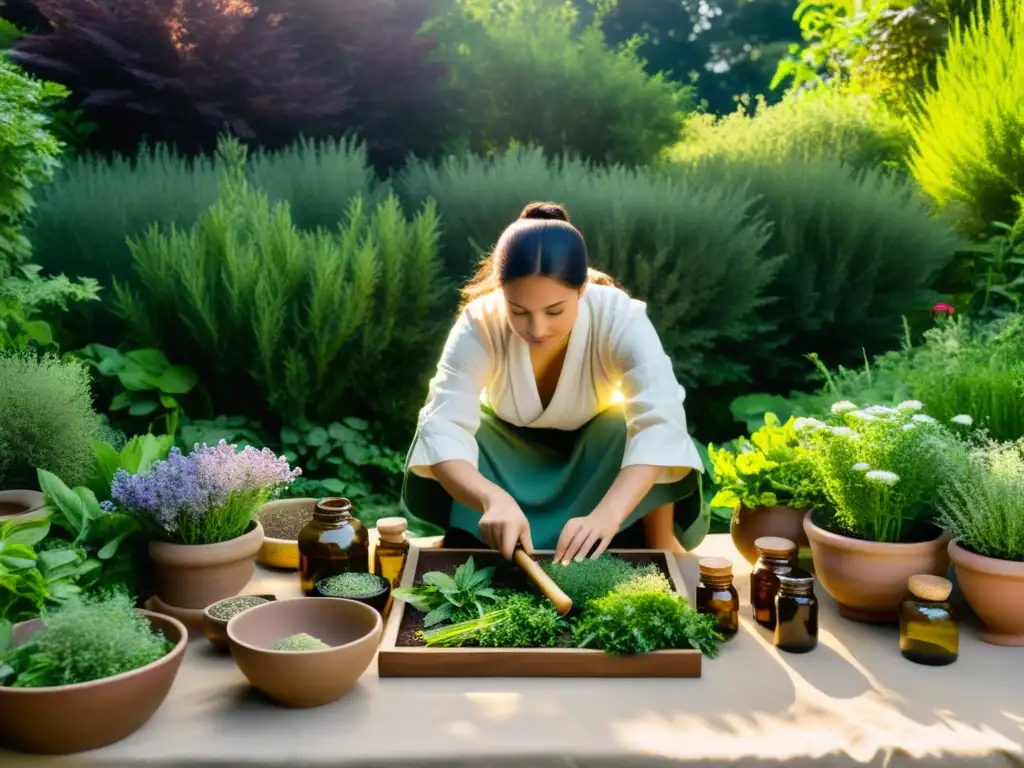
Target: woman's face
pixel 542 310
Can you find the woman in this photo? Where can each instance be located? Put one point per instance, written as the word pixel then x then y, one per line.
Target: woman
pixel 554 420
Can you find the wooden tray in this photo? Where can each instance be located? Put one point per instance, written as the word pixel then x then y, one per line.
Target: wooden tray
pixel 398 657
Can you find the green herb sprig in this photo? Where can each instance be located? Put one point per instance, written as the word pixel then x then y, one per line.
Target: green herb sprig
pixel 466 595
pixel 520 621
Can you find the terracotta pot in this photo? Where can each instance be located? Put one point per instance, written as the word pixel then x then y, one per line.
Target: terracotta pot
pixel 305 678
pixel 194 576
pixel 868 579
pixel 75 718
pixel 16 504
pixel 749 525
pixel 995 591
pixel 216 630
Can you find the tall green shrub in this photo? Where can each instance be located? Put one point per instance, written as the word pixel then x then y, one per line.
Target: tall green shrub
pixel 968 132
pixel 524 73
pixel 861 251
pixel 693 249
pixel 807 125
pixel 314 325
pixel 46 419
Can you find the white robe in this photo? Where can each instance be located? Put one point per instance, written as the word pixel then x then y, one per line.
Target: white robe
pixel 614 356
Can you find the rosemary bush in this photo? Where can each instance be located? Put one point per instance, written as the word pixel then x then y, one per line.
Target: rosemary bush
pixel 982 506
pixel 968 133
pixel 46 419
pixel 276 318
pixel 880 468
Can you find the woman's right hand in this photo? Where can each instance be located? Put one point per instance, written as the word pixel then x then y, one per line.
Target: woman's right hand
pixel 503 525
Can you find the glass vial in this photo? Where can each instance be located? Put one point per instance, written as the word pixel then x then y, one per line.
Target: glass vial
pixel 928 630
pixel 774 556
pixel 332 542
pixel 391 552
pixel 717 596
pixel 796 608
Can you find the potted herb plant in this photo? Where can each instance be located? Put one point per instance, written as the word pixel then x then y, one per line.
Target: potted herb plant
pixel 86 674
pixel 200 509
pixel 982 507
pixel 880 470
pixel 768 481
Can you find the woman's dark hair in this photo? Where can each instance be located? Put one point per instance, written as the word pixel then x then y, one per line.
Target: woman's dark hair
pixel 541 242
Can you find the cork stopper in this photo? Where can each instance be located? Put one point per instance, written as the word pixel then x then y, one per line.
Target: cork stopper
pixel 715 566
pixel 392 529
pixel 932 588
pixel 775 546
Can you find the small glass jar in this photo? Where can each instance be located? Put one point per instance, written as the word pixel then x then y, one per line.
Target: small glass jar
pixel 774 556
pixel 391 551
pixel 332 542
pixel 796 609
pixel 716 595
pixel 928 630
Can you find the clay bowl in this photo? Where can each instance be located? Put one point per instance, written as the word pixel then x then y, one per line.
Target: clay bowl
pixel 378 600
pixel 66 719
pixel 21 506
pixel 282 553
pixel 216 630
pixel 305 678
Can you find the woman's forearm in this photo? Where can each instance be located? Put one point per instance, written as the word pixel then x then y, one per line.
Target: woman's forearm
pixel 628 490
pixel 465 484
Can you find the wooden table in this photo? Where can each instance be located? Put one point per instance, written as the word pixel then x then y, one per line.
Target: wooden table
pixel 853 701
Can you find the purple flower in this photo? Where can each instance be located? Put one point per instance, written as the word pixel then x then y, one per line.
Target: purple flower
pixel 185 489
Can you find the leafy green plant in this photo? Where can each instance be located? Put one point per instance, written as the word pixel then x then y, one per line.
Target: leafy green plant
pixel 283 320
pixel 83 639
pixel 135 457
pixel 982 504
pixel 879 468
pixel 46 419
pixel 994 269
pixel 968 127
pixel 525 73
pixel 585 580
pixel 25 299
pixel 451 598
pixel 645 616
pixel 148 381
pixel 770 468
pixel 517 621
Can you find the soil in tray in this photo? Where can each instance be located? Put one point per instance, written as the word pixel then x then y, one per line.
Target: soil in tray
pixel 505 575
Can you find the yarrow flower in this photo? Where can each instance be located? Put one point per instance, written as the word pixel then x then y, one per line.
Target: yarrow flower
pixel 910 405
pixel 923 418
pixel 963 419
pixel 842 407
pixel 861 466
pixel 804 423
pixel 883 477
pixel 182 491
pixel 841 431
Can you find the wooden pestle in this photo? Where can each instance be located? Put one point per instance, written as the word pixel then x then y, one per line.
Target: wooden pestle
pixel 545 583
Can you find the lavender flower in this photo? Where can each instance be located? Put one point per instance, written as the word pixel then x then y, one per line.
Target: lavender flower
pixel 205 495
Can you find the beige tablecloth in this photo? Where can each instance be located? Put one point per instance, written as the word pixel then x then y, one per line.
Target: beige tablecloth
pixel 853 701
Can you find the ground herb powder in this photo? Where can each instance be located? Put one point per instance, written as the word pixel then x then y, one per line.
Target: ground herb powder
pixel 355 585
pixel 300 642
pixel 225 609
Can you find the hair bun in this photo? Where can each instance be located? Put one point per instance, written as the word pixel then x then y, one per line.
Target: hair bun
pixel 550 211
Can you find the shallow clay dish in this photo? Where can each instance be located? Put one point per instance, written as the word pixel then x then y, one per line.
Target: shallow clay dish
pixel 305 678
pixel 17 505
pixel 283 553
pixel 216 630
pixel 377 600
pixel 74 718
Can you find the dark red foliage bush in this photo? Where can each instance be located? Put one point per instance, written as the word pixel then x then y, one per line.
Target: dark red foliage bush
pixel 183 71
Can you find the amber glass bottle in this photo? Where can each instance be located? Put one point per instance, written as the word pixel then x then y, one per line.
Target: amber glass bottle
pixel 332 542
pixel 717 596
pixel 391 552
pixel 928 630
pixel 774 556
pixel 796 609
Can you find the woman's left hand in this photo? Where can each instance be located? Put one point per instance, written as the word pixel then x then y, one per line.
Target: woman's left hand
pixel 582 534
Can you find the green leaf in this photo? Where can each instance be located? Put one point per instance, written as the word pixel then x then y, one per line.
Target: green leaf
pixel 52 559
pixel 142 451
pixel 73 515
pixel 439 614
pixel 289 436
pixel 142 407
pixel 360 425
pixel 357 453
pixel 316 436
pixel 120 401
pixel 440 580
pixel 168 402
pixel 63 590
pixel 178 380
pixel 6 636
pixel 137 380
pixel 334 485
pixel 340 433
pixel 39 332
pixel 150 360
pixel 28 533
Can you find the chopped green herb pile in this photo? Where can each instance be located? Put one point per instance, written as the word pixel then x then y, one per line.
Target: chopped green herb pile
pixel 621 609
pixel 352 584
pixel 467 594
pixel 225 609
pixel 300 642
pixel 85 638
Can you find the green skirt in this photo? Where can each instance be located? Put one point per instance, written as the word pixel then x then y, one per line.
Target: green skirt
pixel 555 475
